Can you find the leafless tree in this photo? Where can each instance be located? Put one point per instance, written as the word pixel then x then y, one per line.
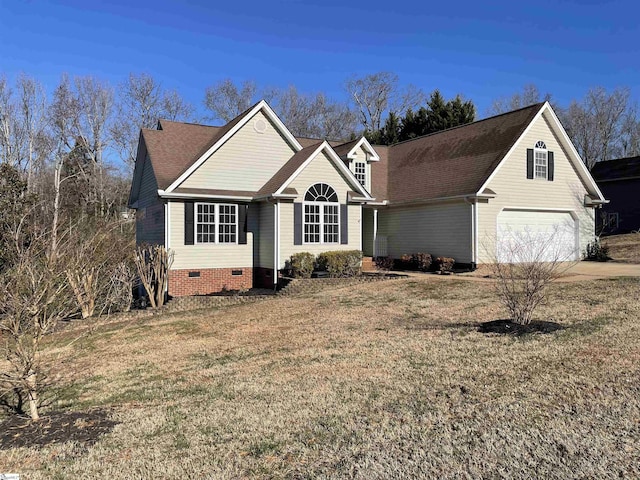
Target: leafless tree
pixel 140 104
pixel 11 134
pixel 33 108
pixel 530 95
pixel 226 100
pixel 152 264
pixel 377 94
pixel 524 264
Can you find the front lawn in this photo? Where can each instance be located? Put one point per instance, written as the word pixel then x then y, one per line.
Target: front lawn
pixel 385 380
pixel 624 248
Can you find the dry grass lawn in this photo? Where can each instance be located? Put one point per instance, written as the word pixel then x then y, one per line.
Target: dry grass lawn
pixel 376 381
pixel 624 248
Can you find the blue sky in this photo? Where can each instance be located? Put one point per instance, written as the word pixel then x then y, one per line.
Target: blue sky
pixel 480 49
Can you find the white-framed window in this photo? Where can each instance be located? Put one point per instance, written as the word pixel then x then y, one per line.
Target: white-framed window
pixel 540 160
pixel 321 215
pixel 216 223
pixel 360 171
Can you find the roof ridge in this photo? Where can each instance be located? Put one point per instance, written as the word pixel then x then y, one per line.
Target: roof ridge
pixel 189 123
pixel 539 105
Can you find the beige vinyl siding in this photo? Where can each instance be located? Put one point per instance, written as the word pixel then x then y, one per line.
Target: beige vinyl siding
pixel 150 212
pixel 204 255
pixel 565 193
pixel 246 161
pixel 361 156
pixel 442 229
pixel 264 237
pixel 320 169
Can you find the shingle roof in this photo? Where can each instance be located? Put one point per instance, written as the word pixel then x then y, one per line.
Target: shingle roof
pixel 453 162
pixel 344 148
pixel 618 169
pixel 287 170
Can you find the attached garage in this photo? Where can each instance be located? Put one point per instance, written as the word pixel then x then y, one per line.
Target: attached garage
pixel 536 235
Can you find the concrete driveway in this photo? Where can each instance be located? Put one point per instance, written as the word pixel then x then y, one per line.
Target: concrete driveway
pixel 593 270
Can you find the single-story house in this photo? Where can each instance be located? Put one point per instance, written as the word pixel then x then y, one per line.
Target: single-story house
pixel 619 181
pixel 235 202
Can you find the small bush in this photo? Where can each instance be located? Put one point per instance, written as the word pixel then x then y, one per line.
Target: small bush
pixel 444 264
pixel 597 252
pixel 416 261
pixel 301 264
pixel 384 263
pixel 340 263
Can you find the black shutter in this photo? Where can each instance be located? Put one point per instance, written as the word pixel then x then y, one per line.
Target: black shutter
pixel 344 223
pixel 297 224
pixel 529 162
pixel 188 223
pixel 242 224
pixel 550 163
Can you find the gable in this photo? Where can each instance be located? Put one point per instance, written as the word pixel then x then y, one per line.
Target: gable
pixel 247 160
pixel 510 181
pixel 321 169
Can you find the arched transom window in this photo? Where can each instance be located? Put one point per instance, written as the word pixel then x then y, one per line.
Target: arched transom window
pixel 540 160
pixel 321 214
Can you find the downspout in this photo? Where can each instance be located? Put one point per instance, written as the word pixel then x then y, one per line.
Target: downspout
pixel 276 242
pixel 375 232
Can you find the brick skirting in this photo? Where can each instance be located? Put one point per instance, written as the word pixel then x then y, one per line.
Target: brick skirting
pixel 203 281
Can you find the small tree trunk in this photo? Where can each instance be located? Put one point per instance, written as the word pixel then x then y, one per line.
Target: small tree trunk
pixel 32 389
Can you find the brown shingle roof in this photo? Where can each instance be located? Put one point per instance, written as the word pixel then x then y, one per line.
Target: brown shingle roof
pixel 453 162
pixel 616 169
pixel 287 170
pixel 344 148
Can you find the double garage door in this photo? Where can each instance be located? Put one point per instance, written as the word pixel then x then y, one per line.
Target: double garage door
pixel 536 235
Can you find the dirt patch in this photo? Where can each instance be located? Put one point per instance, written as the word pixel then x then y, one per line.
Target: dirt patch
pixel 56 427
pixel 508 327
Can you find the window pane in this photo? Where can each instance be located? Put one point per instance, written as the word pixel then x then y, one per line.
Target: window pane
pixel 205 223
pixel 331 224
pixel 312 223
pixel 227 224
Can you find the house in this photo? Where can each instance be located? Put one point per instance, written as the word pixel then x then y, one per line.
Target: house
pixel 619 181
pixel 235 202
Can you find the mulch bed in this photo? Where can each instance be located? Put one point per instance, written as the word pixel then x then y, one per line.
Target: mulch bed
pixel 55 427
pixel 507 327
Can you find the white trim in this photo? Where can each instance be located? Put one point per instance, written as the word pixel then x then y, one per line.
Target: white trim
pixel 216 215
pixel 336 160
pixel 167 220
pixel 570 210
pixel 262 105
pixel 476 233
pixel 166 225
pixel 359 226
pixel 165 194
pixel 375 231
pixel 574 157
pixel 321 214
pixel 276 241
pixel 363 142
pixel 537 150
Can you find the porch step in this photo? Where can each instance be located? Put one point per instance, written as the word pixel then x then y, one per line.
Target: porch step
pixel 368 265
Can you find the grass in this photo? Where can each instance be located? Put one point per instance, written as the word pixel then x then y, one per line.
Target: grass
pixel 385 381
pixel 624 248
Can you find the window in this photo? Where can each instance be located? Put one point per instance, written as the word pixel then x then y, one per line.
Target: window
pixel 216 223
pixel 321 215
pixel 540 160
pixel 360 170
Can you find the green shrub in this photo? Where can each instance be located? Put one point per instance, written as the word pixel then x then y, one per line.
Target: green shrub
pixel 597 252
pixel 340 263
pixel 301 264
pixel 444 264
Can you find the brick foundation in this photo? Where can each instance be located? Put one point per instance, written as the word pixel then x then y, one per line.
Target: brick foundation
pixel 210 280
pixel 263 277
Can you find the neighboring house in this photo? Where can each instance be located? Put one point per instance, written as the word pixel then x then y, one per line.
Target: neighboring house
pixel 619 181
pixel 235 202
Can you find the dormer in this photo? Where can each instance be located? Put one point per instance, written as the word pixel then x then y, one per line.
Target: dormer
pixel 358 155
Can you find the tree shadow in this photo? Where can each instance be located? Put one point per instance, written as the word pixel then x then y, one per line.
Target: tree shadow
pixel 508 327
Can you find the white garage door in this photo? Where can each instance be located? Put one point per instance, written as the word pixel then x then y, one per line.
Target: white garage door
pixel 531 235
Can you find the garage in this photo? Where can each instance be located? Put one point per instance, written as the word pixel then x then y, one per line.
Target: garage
pixel 536 235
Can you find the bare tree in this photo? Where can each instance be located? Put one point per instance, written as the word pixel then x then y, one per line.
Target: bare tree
pixel 152 264
pixel 33 108
pixel 630 133
pixel 378 94
pixel 11 143
pixel 524 264
pixel 530 95
pixel 595 124
pixel 226 100
pixel 141 103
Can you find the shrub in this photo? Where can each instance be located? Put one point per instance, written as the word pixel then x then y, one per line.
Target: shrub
pixel 406 261
pixel 416 261
pixel 384 263
pixel 341 263
pixel 301 264
pixel 444 264
pixel 597 252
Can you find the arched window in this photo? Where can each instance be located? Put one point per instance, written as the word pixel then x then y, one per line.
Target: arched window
pixel 321 214
pixel 540 156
